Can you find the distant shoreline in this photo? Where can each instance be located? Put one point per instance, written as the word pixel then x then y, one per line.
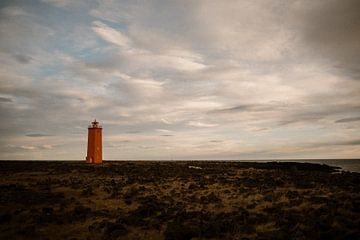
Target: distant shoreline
pixel 347 164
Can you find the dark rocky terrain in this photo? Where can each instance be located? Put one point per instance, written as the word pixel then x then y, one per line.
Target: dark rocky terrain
pixel 177 200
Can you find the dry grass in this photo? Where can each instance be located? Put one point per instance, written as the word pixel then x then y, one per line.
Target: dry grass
pixel 153 200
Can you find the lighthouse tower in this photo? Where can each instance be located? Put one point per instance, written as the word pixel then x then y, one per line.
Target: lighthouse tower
pixel 94 148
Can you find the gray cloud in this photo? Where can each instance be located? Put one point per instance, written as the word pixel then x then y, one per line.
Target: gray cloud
pixel 5 99
pixel 353 142
pixel 331 29
pixel 22 58
pixel 246 108
pixel 238 108
pixel 133 132
pixel 317 112
pixel 335 143
pixel 37 135
pixel 344 120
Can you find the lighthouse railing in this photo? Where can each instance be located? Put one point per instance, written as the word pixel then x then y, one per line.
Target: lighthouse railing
pixel 97 126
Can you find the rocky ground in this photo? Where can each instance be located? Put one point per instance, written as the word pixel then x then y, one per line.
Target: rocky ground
pixel 177 200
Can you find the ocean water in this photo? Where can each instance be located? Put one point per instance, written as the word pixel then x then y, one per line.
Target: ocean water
pixel 351 165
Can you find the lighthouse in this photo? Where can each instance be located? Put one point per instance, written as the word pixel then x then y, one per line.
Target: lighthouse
pixel 94 147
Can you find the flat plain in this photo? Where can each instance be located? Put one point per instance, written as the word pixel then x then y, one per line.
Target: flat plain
pixel 177 200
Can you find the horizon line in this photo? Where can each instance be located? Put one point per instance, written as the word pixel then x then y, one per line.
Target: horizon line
pixel 111 160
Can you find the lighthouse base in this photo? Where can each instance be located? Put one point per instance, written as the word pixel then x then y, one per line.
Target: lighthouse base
pixel 90 160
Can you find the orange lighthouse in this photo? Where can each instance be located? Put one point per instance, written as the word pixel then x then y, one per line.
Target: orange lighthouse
pixel 94 149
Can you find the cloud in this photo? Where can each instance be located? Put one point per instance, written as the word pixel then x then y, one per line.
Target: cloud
pixel 47 146
pixel 259 129
pixel 23 58
pixel 14 11
pixel 201 124
pixel 5 100
pixel 178 58
pixel 352 142
pixel 111 35
pixel 330 29
pixel 318 112
pixel 246 108
pixel 132 132
pixel 59 3
pixel 164 130
pixel 27 147
pixel 165 121
pixel 345 120
pixel 37 135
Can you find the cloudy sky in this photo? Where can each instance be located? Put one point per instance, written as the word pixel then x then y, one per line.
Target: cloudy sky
pixel 180 79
